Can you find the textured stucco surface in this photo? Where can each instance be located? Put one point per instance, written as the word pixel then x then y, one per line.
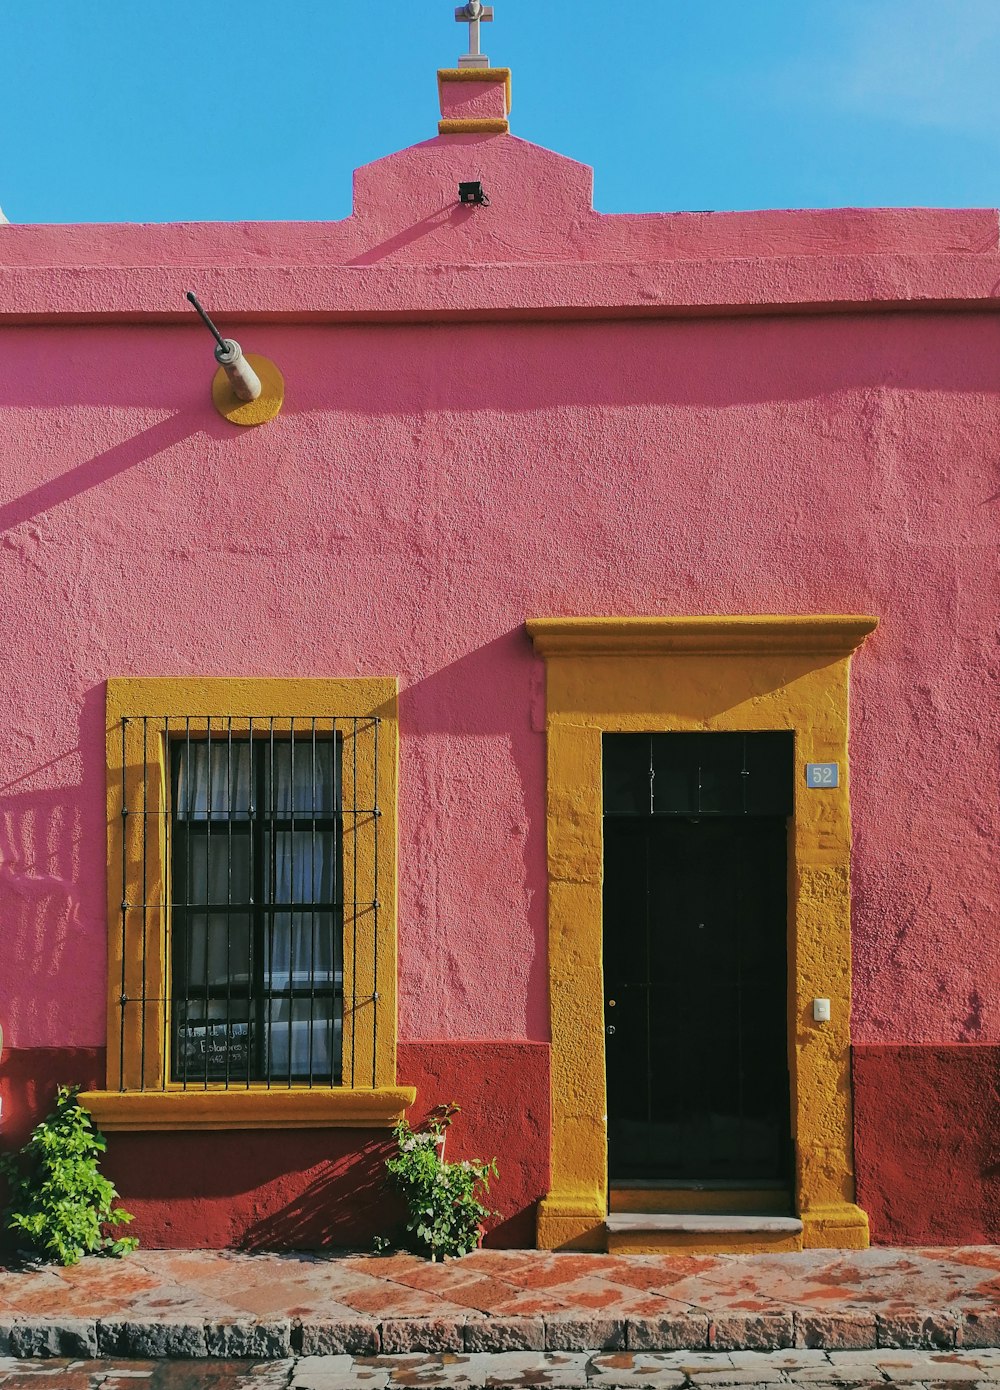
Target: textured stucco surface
pixel 310 1189
pixel 927 1142
pixel 520 411
pixel 465 97
pixel 428 487
pixel 540 250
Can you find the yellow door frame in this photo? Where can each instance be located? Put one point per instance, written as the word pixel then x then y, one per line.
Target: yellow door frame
pixel 646 675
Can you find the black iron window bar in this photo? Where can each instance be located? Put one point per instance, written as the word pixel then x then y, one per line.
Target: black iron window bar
pixel 238 902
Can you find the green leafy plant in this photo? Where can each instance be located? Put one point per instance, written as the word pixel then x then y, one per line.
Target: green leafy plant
pixel 446 1215
pixel 59 1204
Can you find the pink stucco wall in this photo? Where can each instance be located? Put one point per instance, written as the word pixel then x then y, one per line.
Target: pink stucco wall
pixel 526 410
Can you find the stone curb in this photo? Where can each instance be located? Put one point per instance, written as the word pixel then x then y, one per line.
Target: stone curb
pixel 276 1339
pixel 72 1337
pixel 942 1331
pixel 337 1338
pixel 582 1333
pixel 751 1332
pixel 853 1331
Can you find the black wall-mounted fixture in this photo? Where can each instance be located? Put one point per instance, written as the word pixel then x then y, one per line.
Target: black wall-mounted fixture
pixel 472 195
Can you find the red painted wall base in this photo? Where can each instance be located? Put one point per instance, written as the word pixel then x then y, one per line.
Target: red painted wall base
pixel 927 1149
pixel 927 1142
pixel 310 1189
pixel 28 1080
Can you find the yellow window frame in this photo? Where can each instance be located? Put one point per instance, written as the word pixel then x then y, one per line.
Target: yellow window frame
pixel 138 1093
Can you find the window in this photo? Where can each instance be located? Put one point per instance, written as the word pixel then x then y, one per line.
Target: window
pixel 257 922
pixel 251 904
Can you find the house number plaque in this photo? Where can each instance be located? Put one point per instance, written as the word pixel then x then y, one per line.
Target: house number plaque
pixel 823 774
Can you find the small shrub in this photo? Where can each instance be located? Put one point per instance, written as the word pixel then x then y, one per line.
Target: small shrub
pixel 446 1215
pixel 59 1204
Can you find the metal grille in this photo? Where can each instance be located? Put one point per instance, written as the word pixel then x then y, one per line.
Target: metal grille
pixel 249 901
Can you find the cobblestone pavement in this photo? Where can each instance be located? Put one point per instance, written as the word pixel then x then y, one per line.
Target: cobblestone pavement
pixel 810 1369
pixel 226 1305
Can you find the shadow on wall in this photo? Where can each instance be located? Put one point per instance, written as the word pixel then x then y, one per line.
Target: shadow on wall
pixel 28 1081
pixel 97 470
pixel 255 1190
pixel 481 791
pixel 309 1189
pixel 410 369
pixel 39 839
pixel 104 367
pixel 29 1077
pixel 52 896
pixel 504 1092
pixel 448 212
pixel 346 1203
pixel 325 1189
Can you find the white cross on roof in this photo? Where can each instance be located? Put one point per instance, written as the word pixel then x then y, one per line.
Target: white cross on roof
pixel 473 14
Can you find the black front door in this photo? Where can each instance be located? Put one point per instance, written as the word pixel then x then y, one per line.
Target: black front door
pixel 695 913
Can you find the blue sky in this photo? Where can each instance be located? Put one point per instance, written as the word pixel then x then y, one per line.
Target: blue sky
pixel 135 111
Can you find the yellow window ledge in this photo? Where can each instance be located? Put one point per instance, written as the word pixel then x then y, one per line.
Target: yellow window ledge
pixel 257 1108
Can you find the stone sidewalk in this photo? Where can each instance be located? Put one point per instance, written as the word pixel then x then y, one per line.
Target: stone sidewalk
pixel 677 1370
pixel 221 1304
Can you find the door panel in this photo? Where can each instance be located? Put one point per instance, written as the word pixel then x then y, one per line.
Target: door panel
pixel 695 990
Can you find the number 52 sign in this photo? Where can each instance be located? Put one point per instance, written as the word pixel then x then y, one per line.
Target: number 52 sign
pixel 822 774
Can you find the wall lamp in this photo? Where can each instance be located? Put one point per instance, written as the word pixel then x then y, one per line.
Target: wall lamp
pixel 247 389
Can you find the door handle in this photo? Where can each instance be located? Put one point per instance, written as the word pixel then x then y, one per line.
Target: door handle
pixel 610 1029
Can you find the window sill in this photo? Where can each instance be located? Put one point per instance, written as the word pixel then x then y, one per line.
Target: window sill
pixel 253 1109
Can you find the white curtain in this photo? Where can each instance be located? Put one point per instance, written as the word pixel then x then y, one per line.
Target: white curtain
pixel 299 866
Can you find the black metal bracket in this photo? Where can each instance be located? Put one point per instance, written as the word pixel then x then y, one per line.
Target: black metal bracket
pixel 472 195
